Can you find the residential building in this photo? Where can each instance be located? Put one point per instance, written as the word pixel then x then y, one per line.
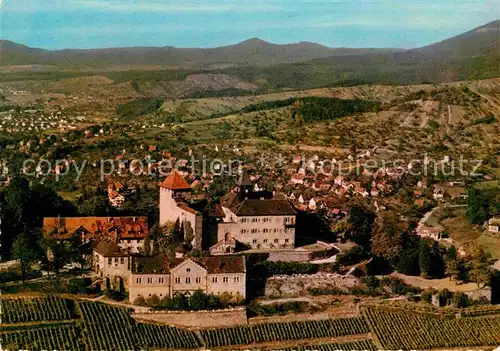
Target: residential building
pixel 493 225
pixel 166 277
pixel 126 232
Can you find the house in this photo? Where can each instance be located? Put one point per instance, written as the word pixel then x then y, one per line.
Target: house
pixel 257 220
pixel 165 277
pixel 111 263
pixel 493 225
pixel 438 193
pixel 431 232
pixel 126 232
pixel 173 206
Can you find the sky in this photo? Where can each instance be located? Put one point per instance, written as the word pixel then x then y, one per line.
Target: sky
pixel 58 24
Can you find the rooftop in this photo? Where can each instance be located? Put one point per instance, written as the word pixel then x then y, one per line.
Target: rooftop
pixel 175 182
pixel 124 227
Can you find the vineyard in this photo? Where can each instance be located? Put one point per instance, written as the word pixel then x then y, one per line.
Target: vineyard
pixel 346 346
pixel 164 336
pixel 22 310
pixel 63 324
pixel 267 332
pixel 60 337
pixel 396 330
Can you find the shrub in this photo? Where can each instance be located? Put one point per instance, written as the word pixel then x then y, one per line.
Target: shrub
pixel 352 256
pixel 140 301
pixel 153 301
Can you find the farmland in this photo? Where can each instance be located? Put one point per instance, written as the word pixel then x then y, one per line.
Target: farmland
pixel 19 310
pixel 396 330
pixel 77 325
pixel 267 332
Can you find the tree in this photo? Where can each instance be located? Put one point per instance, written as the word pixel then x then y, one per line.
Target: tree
pixel 424 259
pixel 452 268
pixel 388 236
pixel 95 206
pixel 479 271
pixel 478 204
pixel 360 226
pixel 198 301
pixel 177 234
pixel 25 249
pixel 409 262
pixel 179 302
pixel 460 300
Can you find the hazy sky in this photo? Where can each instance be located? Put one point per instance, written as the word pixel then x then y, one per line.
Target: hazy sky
pixel 55 24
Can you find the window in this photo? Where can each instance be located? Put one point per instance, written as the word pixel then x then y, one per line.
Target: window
pixel 243 220
pixel 116 259
pixel 150 280
pixel 198 280
pixel 225 279
pixel 254 220
pixel 214 279
pixel 138 280
pixel 275 230
pixel 188 270
pixel 236 279
pixel 287 240
pixel 276 240
pixel 254 231
pixel 177 280
pixel 160 280
pixel 265 241
pixel 122 260
pixel 265 230
pixel 254 241
pixel 188 280
pixel 243 231
pixel 110 261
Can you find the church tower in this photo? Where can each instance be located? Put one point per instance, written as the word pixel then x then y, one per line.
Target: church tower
pixel 244 185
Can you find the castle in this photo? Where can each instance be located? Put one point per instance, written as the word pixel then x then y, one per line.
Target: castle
pixel 258 220
pixel 173 193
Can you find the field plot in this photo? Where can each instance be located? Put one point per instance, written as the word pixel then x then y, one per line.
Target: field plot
pixel 106 327
pixel 346 346
pixel 399 330
pixel 23 310
pixel 266 332
pixel 164 336
pixel 60 337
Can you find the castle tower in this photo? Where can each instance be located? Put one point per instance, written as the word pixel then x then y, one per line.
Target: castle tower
pixel 170 190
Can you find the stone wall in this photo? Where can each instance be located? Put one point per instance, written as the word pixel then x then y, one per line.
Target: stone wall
pixel 196 319
pixel 282 286
pixel 479 294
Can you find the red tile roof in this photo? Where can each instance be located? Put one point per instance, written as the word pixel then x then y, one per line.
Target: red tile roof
pixel 175 182
pixel 96 227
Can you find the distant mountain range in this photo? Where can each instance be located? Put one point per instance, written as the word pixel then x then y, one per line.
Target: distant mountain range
pixel 471 55
pixel 249 52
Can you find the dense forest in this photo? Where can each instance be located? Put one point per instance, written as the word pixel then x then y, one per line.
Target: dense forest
pixel 314 109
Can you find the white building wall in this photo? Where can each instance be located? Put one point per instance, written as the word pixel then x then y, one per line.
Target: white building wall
pixel 147 285
pixel 233 283
pixel 259 232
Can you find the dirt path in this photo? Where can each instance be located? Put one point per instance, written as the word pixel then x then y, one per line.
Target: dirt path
pixel 435 283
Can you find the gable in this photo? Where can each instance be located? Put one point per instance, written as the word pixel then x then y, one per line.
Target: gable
pixel 190 265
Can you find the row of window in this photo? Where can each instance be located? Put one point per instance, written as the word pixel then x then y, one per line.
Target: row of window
pixel 266 230
pixel 187 280
pixel 286 220
pixel 275 241
pixel 110 260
